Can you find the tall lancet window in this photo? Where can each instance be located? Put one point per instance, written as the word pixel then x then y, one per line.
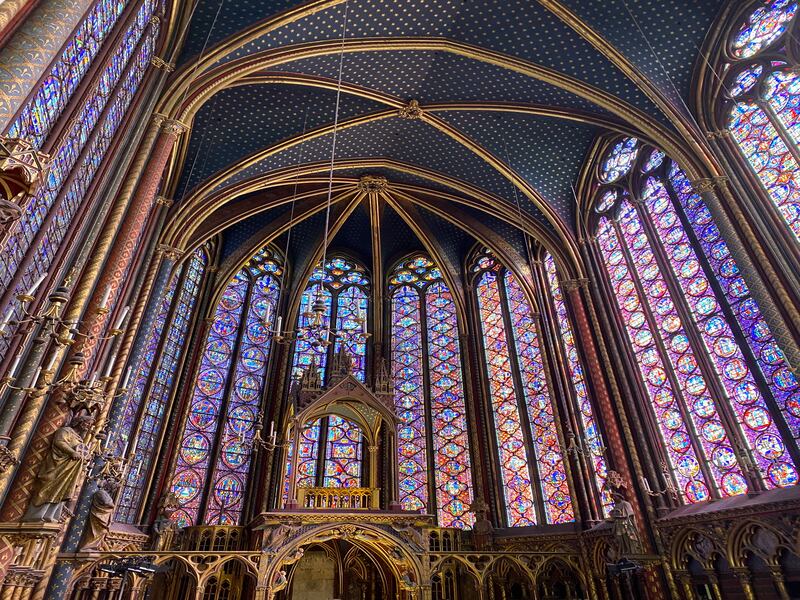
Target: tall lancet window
pixel 759 97
pixel 141 429
pixel 722 396
pixel 213 461
pixel 529 454
pixel 76 158
pixel 331 449
pixel 589 427
pixel 433 438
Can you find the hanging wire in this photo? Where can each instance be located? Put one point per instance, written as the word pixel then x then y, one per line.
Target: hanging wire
pixel 294 199
pixel 664 69
pixel 333 149
pixel 525 241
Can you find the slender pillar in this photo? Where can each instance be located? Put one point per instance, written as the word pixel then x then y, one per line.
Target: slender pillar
pixel 129 236
pixel 746 581
pixel 779 581
pixel 28 54
pixel 604 403
pixel 764 297
pixel 118 241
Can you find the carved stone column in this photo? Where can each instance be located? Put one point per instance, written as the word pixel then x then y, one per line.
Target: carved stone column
pixel 120 237
pixel 767 302
pixel 779 581
pixel 602 397
pixel 129 235
pixel 746 581
pixel 26 549
pixel 686 584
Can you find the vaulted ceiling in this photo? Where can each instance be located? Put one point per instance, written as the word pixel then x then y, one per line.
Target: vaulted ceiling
pixel 514 93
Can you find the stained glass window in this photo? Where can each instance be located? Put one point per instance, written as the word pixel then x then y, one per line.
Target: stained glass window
pixel 709 363
pixel 154 380
pixel 530 458
pixel 426 355
pixel 215 447
pixel 343 287
pixel 761 104
pixel 79 156
pixel 37 117
pixel 591 431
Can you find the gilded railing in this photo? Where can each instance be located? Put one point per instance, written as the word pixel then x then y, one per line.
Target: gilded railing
pixel 339 498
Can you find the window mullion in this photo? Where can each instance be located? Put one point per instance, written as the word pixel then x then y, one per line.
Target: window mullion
pixel 432 507
pixel 776 122
pixel 522 408
pixel 668 367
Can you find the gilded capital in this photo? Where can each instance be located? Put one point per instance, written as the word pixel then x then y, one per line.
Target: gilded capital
pixel 411 111
pixel 162 65
pixel 718 134
pixel 570 285
pixel 708 184
pixel 163 201
pixel 174 126
pixel 169 252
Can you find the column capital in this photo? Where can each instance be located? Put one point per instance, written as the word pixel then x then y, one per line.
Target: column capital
pixel 169 252
pixel 708 184
pixel 718 134
pixel 570 285
pixel 162 65
pixel 164 201
pixel 168 125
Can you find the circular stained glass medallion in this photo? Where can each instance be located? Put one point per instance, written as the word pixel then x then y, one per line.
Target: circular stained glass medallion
pixel 733 484
pixel 770 446
pixel 757 418
pixel 194 449
pixel 782 474
pixel 696 491
pixel 619 160
pixel 724 457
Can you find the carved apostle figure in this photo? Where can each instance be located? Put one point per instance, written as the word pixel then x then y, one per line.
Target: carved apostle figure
pixel 100 515
pixel 623 524
pixel 55 481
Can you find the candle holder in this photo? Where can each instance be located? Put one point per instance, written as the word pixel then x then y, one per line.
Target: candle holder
pixel 318 334
pixel 669 487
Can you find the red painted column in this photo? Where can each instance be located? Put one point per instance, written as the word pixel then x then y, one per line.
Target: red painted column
pixel 603 400
pixel 614 438
pixel 123 240
pixel 129 236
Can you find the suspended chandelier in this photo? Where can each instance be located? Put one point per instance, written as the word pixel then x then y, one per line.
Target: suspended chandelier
pixel 314 328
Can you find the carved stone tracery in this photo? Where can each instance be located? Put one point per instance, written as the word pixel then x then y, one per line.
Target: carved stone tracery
pixel 22 169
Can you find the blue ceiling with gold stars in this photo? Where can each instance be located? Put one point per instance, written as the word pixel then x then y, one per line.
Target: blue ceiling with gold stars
pixel 521 80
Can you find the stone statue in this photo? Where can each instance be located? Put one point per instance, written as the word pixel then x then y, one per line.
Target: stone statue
pixel 100 515
pixel 55 481
pixel 623 526
pixel 482 531
pixel 164 526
